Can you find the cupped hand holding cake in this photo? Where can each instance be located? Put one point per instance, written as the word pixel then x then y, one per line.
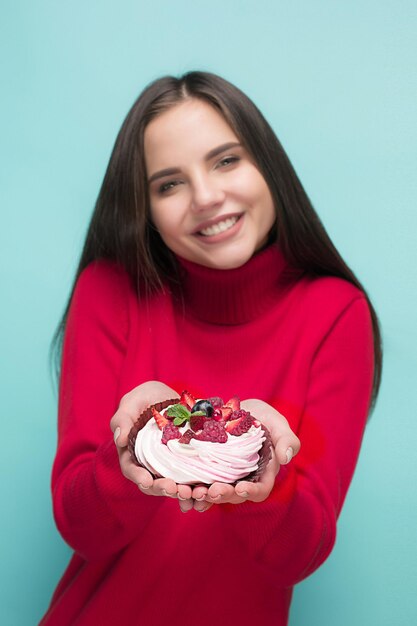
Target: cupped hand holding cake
pixel 251 415
pixel 209 441
pixel 131 406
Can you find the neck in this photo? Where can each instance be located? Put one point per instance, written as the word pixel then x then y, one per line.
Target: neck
pixel 234 296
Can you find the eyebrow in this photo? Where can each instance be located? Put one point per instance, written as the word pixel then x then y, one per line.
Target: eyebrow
pixel 213 153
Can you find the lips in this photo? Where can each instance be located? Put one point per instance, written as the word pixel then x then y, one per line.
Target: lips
pixel 217 226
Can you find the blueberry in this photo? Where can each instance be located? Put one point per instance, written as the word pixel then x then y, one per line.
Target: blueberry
pixel 205 406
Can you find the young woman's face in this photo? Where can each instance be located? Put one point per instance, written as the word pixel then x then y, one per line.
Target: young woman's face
pixel 208 200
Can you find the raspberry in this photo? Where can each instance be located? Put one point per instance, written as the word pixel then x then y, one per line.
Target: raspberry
pixel 239 423
pixel 197 422
pixel 212 431
pixel 187 436
pixel 216 402
pixel 238 414
pixel 170 432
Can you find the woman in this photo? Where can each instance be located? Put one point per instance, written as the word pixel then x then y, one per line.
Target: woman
pixel 205 267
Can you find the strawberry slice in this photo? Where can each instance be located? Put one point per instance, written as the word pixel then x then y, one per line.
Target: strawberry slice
pixel 226 412
pixel 159 419
pixel 234 403
pixel 187 399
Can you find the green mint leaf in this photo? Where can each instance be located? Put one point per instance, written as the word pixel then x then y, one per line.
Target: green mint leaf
pixel 178 410
pixel 178 421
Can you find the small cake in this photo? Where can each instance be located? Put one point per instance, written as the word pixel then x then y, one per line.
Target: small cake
pixel 200 441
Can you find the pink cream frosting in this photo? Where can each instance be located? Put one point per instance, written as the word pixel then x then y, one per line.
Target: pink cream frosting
pixel 199 461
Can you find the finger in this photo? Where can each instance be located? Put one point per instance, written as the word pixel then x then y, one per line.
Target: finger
pixel 165 487
pixel 138 475
pixel 219 492
pixel 259 491
pixel 202 507
pixel 199 493
pixel 244 488
pixel 255 492
pixel 186 505
pixel 287 447
pixel 184 492
pixel 121 424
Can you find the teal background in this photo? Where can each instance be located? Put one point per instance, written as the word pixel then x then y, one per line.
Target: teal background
pixel 337 80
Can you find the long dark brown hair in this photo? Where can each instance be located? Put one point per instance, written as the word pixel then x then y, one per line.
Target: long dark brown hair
pixel 121 229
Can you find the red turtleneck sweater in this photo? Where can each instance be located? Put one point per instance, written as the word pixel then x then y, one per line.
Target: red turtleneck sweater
pixel 302 344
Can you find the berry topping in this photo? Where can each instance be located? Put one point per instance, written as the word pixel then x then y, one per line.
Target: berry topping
pixel 187 436
pixel 187 399
pixel 170 432
pixel 197 422
pixel 216 402
pixel 226 412
pixel 205 406
pixel 212 431
pixel 234 403
pixel 239 423
pixel 218 415
pixel 159 419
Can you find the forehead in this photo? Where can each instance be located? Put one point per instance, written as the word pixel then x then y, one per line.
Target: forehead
pixel 186 131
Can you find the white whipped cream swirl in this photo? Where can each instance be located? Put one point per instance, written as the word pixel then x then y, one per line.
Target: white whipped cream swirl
pixel 199 461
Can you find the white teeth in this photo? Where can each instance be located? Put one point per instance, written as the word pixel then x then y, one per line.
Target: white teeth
pixel 220 227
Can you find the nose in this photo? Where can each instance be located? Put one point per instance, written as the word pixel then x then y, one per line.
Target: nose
pixel 206 194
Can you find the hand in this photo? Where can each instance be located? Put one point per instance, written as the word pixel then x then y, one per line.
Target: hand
pixel 285 445
pixel 130 407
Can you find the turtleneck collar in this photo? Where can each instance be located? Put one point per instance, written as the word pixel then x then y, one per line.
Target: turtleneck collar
pixel 234 296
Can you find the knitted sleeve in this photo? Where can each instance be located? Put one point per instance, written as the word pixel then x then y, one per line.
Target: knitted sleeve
pixel 296 525
pixel 97 510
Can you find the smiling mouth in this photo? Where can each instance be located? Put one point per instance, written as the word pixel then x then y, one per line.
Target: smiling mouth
pixel 220 227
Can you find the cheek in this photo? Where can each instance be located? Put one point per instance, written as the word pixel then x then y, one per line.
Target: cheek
pixel 160 218
pixel 168 225
pixel 253 185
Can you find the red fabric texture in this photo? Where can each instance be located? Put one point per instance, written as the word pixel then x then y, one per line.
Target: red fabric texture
pixel 300 343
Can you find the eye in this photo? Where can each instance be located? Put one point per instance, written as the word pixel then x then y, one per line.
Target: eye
pixel 165 187
pixel 228 160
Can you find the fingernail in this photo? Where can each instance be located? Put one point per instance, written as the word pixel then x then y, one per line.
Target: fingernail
pixel 289 454
pixel 202 510
pixel 142 486
pixel 201 498
pixel 243 494
pixel 181 498
pixel 168 494
pixel 116 434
